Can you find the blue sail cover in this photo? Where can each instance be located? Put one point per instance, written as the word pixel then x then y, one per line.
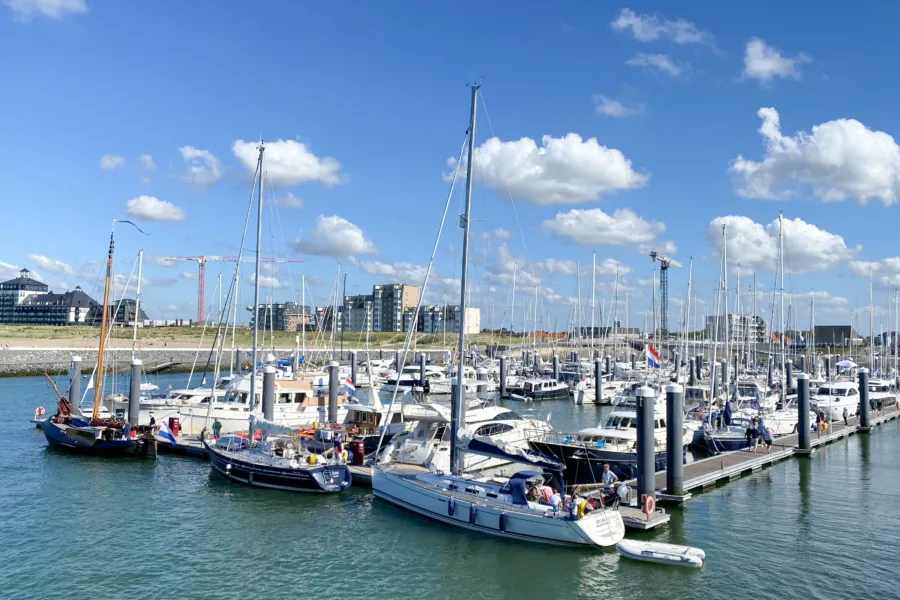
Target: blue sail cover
pixel 486 447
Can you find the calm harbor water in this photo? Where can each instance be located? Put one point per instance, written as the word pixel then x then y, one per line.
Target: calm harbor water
pixel 84 527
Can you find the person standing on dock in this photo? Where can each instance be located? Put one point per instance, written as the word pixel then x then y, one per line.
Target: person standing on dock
pixel 217 429
pixel 846 417
pixel 609 478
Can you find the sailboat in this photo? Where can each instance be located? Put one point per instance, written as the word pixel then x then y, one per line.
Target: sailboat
pixel 278 460
pixel 504 507
pixel 69 430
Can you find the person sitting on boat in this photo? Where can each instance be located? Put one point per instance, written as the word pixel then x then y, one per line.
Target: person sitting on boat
pixel 609 478
pixel 555 500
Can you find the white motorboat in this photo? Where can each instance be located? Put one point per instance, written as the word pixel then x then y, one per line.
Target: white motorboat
pixel 669 554
pixel 427 443
pixel 410 379
pixel 298 403
pixel 833 397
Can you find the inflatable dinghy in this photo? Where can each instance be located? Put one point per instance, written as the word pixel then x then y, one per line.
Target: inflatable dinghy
pixel 667 554
pixel 519 397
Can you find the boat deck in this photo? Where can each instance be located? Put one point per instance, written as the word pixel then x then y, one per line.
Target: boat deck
pixel 728 466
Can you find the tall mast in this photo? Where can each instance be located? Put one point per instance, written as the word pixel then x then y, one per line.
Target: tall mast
pixel 871 326
pixel 259 221
pixel 98 387
pixel 137 303
pixel 781 316
pixel 593 296
pixel 512 308
pixel 305 316
pixel 459 399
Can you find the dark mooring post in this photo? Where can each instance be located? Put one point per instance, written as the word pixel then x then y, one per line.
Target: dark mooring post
pixel 422 370
pixel 865 412
pixel 692 375
pixel 333 392
pixel 609 368
pixel 397 364
pixel 134 393
pixel 555 366
pixel 503 376
pixel 598 382
pixel 674 440
pixel 803 364
pixel 677 365
pixel 75 382
pixel 633 362
pixel 268 395
pixel 646 463
pixel 353 360
pixel 788 375
pixel 699 368
pixel 827 368
pixel 803 424
pixel 770 373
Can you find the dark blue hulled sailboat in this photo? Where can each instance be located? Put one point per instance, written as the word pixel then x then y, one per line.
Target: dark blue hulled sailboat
pixel 93 435
pixel 279 461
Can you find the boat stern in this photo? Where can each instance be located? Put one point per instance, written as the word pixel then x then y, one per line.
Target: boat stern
pixel 602 528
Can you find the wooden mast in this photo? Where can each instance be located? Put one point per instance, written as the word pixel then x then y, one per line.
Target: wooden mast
pixel 98 388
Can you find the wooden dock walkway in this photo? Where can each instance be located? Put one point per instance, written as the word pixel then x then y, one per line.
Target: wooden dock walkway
pixel 728 466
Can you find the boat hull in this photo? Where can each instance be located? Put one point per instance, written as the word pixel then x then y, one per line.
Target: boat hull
pixel 584 466
pixel 557 394
pixel 75 439
pixel 315 479
pixel 599 530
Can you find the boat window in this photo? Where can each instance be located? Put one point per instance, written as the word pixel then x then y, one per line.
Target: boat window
pixel 528 387
pixel 493 429
pixel 242 398
pixel 397 418
pixel 852 392
pixel 632 423
pixel 614 422
pixel 507 415
pixel 662 423
pixel 285 398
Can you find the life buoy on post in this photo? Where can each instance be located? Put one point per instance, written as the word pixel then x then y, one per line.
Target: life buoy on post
pixel 648 504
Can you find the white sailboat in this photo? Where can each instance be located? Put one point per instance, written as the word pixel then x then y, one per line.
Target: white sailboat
pixel 500 507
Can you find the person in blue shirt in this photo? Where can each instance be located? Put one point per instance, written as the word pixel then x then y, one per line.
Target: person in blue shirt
pixel 609 478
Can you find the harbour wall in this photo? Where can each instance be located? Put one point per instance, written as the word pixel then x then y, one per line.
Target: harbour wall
pixel 36 361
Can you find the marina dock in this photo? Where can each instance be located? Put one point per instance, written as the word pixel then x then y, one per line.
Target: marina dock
pixel 728 466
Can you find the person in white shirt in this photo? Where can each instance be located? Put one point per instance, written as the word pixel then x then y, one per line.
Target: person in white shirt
pixel 609 478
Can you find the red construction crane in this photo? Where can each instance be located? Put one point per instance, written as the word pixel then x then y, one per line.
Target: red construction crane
pixel 201 262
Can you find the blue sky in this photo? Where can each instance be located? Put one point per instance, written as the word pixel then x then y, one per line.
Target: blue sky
pixel 651 112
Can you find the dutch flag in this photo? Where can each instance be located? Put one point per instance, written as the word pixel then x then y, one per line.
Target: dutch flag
pixel 166 434
pixel 652 357
pixel 348 385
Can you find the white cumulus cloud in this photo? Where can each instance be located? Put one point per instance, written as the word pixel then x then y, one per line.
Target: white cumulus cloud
pixel 561 267
pixel 289 162
pixel 150 208
pixel 886 271
pixel 764 63
pixel 268 281
pixel 501 234
pixel 561 171
pixel 837 160
pixel 54 9
pixel 650 28
pixel 289 200
pixel 203 168
pixel 400 272
pixel 109 162
pixel 190 275
pixel 594 227
pixel 52 265
pixel 604 105
pixel 656 62
pixel 336 237
pixel 755 246
pixel 146 162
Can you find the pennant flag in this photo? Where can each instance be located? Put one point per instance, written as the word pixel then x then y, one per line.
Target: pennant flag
pixel 166 434
pixel 652 357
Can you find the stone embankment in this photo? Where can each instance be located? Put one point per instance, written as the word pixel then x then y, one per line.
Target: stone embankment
pixel 36 361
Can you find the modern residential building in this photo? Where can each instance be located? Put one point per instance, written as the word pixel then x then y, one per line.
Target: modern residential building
pixel 443 319
pixel 389 303
pixel 358 313
pixel 124 312
pixel 741 329
pixel 324 318
pixel 26 301
pixel 287 316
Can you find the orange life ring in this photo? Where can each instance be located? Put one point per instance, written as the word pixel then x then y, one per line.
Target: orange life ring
pixel 648 504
